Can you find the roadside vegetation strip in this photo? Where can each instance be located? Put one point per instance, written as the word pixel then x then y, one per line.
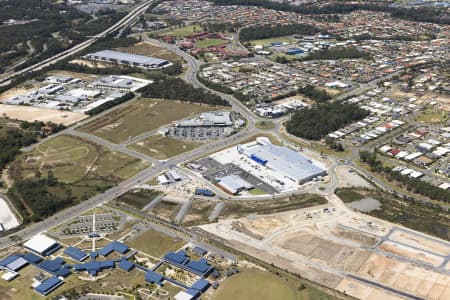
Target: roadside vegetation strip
pixel 234 208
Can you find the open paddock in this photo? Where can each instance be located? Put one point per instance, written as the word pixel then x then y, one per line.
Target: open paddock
pixel 141 116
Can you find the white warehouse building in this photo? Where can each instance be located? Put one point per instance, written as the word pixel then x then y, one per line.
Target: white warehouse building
pixel 282 160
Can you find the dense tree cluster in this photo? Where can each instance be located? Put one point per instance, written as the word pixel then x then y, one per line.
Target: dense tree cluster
pixel 314 93
pixel 338 53
pixel 414 185
pixel 317 121
pixel 269 31
pixel 110 104
pixel 35 193
pixel 177 89
pixel 423 14
pixel 13 139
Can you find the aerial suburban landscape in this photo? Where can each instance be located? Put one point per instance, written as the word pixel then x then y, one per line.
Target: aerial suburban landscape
pixel 224 149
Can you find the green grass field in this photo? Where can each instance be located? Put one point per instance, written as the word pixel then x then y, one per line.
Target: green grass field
pixel 257 192
pixel 162 147
pixel 265 125
pixel 263 285
pixel 155 243
pixel 140 198
pixel 185 31
pixel 73 159
pixel 209 43
pixel 141 116
pixel 433 117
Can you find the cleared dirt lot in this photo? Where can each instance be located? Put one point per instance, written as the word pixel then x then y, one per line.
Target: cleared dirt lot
pixel 28 113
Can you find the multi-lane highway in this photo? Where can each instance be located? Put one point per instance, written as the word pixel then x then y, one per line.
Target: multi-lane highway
pixel 121 24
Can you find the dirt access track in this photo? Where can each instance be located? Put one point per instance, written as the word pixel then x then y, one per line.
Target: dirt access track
pixel 30 114
pixel 364 257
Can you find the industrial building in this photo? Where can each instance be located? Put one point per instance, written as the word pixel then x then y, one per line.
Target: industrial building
pixel 42 244
pixel 220 119
pixel 120 83
pixel 132 60
pixel 233 184
pixel 282 160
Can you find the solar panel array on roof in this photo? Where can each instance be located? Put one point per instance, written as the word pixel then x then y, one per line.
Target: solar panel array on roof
pixel 153 277
pixel 113 246
pixel 48 285
pixel 76 253
pixel 126 265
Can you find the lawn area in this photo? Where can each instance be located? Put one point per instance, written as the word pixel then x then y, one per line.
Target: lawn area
pixel 155 243
pixel 349 195
pixel 73 159
pixel 20 288
pixel 141 116
pixel 265 125
pixel 149 49
pixel 185 31
pixel 257 192
pixel 433 117
pixel 162 147
pixel 267 42
pixel 264 285
pixel 209 43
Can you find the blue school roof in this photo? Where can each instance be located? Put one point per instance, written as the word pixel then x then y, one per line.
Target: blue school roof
pixel 32 258
pixel 17 264
pixel 181 260
pixel 126 265
pixel 194 293
pixel 51 266
pixel 199 251
pixel 200 285
pixel 48 285
pixel 153 277
pixel 113 246
pixel 7 260
pixel 93 267
pixel 178 257
pixel 76 253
